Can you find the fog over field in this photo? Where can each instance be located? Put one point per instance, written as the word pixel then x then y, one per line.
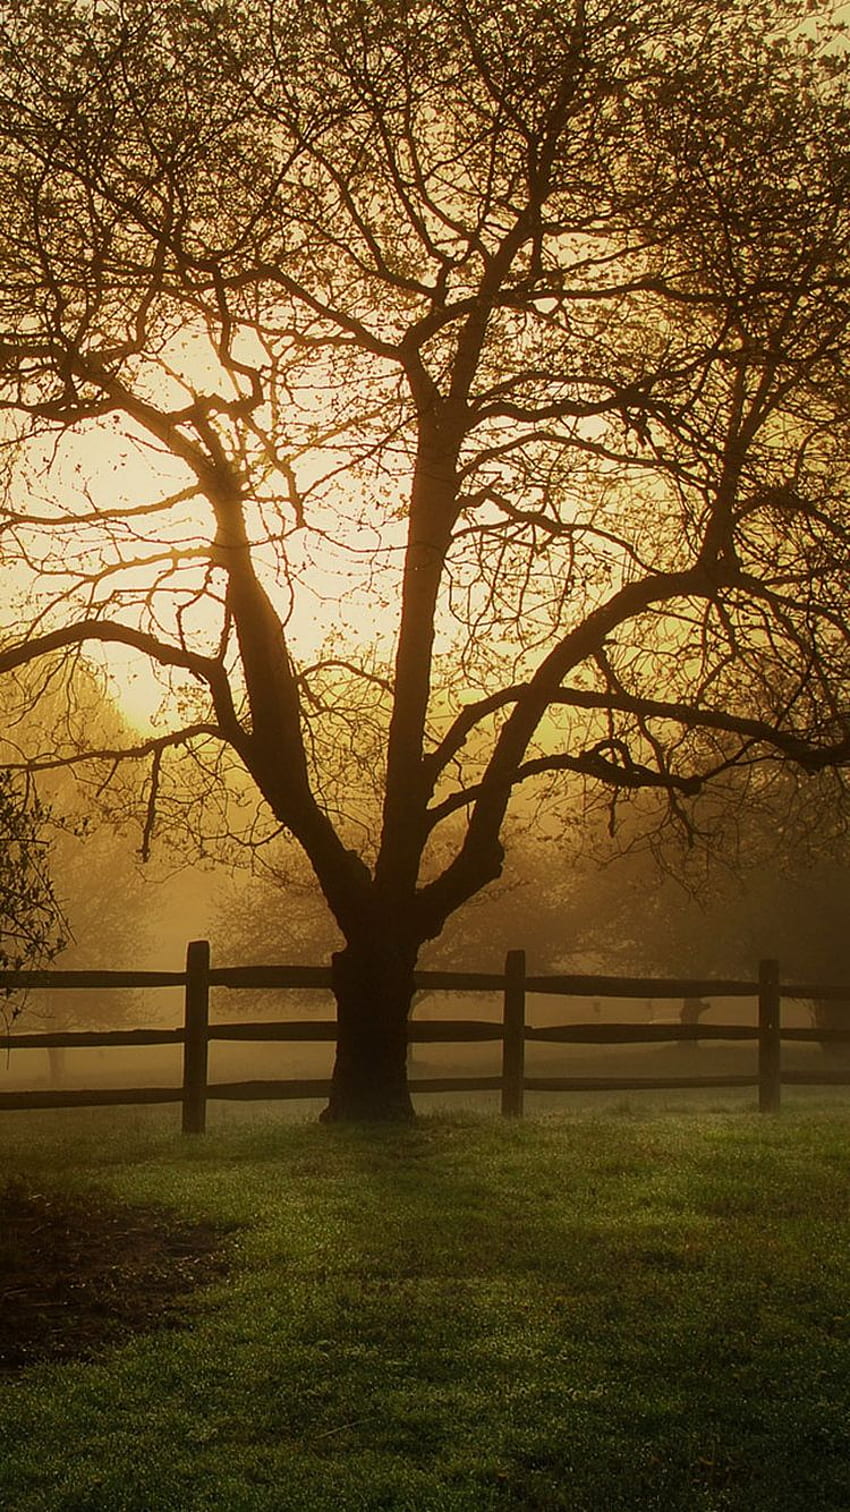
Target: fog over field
pixel 616 912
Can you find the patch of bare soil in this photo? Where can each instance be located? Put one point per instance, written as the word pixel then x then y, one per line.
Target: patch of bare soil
pixel 77 1273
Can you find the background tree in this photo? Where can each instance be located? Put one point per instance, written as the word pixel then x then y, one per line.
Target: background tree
pixel 507 343
pixel 83 849
pixel 32 928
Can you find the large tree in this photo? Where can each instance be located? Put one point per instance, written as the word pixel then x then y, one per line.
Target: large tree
pixel 450 398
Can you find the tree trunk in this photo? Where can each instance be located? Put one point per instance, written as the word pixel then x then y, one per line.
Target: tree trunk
pixel 56 1065
pixel 831 1014
pixel 373 986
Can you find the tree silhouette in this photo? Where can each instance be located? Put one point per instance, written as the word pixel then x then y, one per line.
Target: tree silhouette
pixel 449 398
pixel 31 922
pixel 72 887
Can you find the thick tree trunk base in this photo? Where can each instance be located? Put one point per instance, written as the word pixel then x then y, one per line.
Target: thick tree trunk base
pixel 373 990
pixel 368 1108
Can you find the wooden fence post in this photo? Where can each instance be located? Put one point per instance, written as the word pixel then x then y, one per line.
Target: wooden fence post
pixel 195 1046
pixel 513 1035
pixel 769 1037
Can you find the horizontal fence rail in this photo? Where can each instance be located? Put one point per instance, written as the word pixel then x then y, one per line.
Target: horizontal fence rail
pixel 512 1030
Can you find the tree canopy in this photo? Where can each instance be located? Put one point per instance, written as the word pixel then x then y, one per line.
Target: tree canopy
pixel 451 399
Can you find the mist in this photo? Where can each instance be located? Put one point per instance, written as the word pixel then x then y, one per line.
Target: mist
pixel 615 914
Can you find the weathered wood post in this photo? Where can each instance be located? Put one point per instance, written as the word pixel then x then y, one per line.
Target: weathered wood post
pixel 770 1073
pixel 195 1045
pixel 513 1035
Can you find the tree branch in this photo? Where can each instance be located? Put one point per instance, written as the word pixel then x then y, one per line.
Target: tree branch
pixel 110 632
pixel 588 764
pixel 154 747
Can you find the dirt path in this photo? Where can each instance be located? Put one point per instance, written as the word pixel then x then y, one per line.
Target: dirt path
pixel 79 1273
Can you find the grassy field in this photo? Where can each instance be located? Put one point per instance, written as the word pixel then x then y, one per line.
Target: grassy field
pixel 592 1311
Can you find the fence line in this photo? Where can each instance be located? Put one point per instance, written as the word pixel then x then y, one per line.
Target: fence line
pixel 513 1030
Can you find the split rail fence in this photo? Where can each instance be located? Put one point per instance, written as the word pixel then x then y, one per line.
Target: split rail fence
pixel 514 984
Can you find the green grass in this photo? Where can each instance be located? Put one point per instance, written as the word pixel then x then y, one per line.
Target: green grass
pixel 592 1313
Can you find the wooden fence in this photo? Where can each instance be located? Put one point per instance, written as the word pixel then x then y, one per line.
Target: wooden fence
pixel 514 984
